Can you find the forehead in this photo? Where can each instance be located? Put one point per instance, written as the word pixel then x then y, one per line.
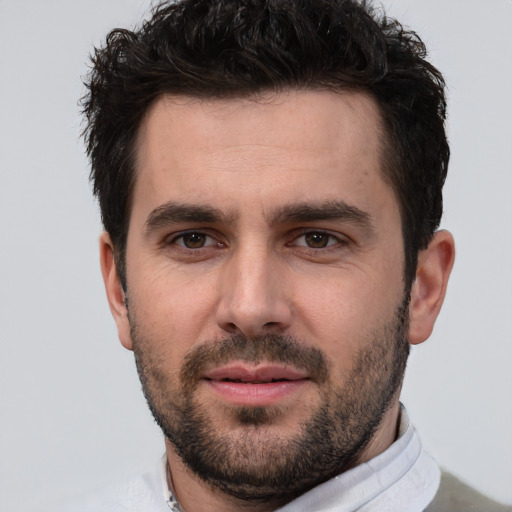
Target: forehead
pixel 300 118
pixel 275 149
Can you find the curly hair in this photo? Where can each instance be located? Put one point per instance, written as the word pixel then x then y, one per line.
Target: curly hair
pixel 239 48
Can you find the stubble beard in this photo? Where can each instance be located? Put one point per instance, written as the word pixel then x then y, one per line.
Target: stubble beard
pixel 254 462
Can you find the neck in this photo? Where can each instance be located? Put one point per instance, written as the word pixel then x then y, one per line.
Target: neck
pixel 385 436
pixel 195 495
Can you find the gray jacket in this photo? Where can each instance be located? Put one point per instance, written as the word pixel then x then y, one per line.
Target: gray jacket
pixel 455 496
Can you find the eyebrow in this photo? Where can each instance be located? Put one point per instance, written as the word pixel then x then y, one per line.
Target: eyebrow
pixel 174 213
pixel 330 210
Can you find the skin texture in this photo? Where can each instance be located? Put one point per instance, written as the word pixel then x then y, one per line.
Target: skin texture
pixel 298 238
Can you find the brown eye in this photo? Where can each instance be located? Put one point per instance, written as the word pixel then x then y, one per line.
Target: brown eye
pixel 194 240
pixel 317 240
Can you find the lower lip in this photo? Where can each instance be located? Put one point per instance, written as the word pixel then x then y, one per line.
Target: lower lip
pixel 255 395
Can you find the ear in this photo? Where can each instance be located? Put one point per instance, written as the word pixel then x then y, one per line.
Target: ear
pixel 429 288
pixel 115 292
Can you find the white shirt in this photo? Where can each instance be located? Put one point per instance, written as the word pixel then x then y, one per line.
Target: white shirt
pixel 404 478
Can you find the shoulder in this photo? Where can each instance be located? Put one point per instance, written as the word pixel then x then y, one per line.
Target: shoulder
pixel 455 496
pixel 134 495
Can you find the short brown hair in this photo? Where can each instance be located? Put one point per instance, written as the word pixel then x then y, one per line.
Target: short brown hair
pixel 236 48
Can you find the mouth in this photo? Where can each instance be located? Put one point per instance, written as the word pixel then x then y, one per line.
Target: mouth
pixel 263 385
pixel 242 381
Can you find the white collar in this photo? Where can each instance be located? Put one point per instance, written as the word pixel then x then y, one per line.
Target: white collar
pixel 403 478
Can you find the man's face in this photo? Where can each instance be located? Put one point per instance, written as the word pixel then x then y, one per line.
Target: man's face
pixel 265 295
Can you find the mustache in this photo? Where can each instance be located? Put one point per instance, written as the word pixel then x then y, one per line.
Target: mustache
pixel 267 348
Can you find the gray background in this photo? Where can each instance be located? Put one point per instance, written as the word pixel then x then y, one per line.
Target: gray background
pixel 72 414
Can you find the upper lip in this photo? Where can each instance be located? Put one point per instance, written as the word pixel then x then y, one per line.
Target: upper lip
pixel 255 374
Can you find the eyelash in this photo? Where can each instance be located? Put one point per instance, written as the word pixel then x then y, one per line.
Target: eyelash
pixel 332 242
pixel 181 238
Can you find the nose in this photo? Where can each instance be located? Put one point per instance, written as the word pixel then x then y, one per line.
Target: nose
pixel 253 295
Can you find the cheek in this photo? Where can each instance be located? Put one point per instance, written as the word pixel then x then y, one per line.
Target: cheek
pixel 172 306
pixel 343 312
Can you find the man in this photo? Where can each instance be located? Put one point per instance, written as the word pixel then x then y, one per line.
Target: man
pixel 269 175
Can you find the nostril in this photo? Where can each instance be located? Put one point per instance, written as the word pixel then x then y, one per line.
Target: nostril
pixel 252 316
pixel 231 327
